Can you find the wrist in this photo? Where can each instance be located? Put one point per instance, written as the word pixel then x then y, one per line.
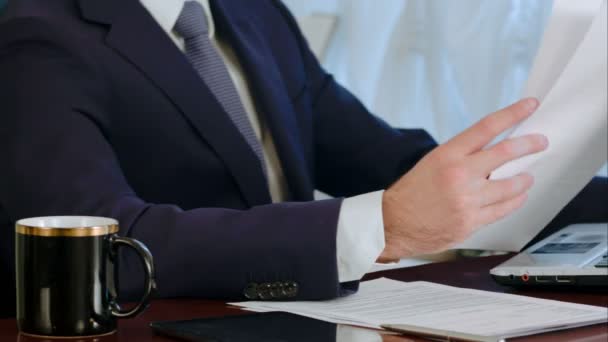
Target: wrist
pixel 401 228
pixel 391 252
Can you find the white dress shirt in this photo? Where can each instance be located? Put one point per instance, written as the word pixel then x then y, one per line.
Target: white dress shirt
pixel 360 231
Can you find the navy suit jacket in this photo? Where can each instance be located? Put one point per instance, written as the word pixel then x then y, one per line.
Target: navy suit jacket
pixel 103 115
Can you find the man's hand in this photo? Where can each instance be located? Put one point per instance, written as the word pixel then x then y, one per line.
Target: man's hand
pixel 448 195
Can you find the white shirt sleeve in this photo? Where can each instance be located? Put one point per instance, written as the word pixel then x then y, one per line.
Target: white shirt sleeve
pixel 360 237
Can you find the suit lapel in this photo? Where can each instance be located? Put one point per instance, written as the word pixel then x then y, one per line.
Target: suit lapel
pixel 138 38
pixel 268 90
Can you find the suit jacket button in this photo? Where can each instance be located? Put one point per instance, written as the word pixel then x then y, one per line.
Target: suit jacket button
pixel 264 291
pixel 276 290
pixel 251 291
pixel 290 289
pixel 284 286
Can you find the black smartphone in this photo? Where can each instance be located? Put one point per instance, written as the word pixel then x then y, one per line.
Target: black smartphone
pixel 267 327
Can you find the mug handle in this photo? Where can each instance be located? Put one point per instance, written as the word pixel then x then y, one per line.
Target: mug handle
pixel 116 241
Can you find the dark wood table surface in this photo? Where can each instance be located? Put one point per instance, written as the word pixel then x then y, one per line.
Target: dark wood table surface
pixel 470 273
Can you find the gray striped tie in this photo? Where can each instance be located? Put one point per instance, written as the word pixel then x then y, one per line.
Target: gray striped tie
pixel 193 28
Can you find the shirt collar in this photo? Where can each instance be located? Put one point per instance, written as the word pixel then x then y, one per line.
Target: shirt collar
pixel 166 12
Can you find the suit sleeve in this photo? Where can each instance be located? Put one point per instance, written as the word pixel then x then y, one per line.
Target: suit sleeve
pixel 58 160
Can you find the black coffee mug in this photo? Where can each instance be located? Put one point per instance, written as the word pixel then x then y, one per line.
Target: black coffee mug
pixel 66 268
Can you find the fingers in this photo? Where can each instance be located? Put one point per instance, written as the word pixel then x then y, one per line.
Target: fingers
pixel 489 160
pixel 483 132
pixel 495 212
pixel 505 189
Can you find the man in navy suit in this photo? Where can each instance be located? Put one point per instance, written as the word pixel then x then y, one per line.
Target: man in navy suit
pixel 204 128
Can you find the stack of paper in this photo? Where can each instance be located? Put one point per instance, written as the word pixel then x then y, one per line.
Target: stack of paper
pixel 570 78
pixel 429 305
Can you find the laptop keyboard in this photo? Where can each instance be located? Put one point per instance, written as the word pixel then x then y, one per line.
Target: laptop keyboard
pixel 603 263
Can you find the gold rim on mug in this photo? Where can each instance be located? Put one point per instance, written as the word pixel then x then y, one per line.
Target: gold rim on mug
pixel 24 228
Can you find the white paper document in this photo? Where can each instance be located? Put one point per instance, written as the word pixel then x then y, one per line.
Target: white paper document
pixel 571 80
pixel 429 305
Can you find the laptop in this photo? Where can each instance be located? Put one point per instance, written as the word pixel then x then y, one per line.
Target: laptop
pixel 575 256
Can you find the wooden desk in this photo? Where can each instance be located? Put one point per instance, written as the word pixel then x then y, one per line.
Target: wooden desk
pixel 471 273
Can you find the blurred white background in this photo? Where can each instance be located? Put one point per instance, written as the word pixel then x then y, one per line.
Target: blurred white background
pixel 436 64
pixel 432 63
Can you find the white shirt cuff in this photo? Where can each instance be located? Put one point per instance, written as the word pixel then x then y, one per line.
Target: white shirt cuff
pixel 360 237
